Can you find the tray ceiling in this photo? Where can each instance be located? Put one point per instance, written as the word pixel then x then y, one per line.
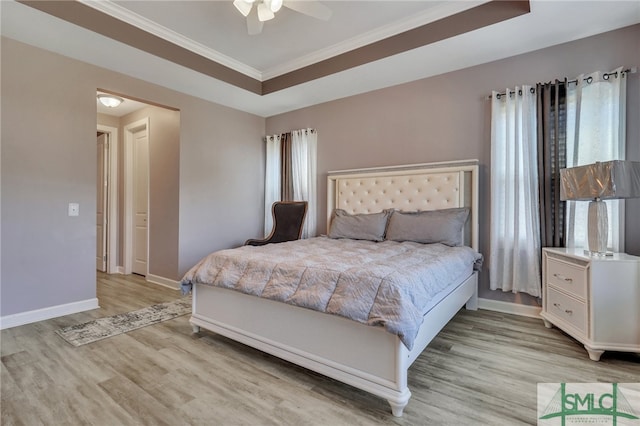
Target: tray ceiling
pixel 204 50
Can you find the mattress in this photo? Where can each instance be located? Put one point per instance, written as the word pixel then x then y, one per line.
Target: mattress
pixel 388 284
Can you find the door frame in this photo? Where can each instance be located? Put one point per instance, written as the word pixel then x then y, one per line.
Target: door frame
pixel 127 249
pixel 112 197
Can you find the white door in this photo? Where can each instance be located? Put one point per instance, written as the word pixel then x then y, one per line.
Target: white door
pixel 140 201
pixel 101 203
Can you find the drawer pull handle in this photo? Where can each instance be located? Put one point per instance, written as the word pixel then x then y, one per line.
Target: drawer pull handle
pixel 561 277
pixel 566 311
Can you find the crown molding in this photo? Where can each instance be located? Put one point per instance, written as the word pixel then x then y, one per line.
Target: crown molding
pixel 119 12
pixel 440 11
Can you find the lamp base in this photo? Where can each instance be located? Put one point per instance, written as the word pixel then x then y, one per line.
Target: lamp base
pixel 598 227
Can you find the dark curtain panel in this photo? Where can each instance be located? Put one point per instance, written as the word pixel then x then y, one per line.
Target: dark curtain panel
pixel 552 150
pixel 286 181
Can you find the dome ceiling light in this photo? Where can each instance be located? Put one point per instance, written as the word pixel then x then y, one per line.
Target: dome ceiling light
pixel 110 101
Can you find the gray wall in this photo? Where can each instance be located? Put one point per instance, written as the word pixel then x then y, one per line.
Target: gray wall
pixel 447 117
pixel 221 180
pixel 49 159
pixel 109 120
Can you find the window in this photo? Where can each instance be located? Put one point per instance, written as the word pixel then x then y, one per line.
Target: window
pixel 291 174
pixel 514 260
pixel 596 132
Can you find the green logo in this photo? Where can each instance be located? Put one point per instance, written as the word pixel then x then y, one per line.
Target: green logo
pixel 588 403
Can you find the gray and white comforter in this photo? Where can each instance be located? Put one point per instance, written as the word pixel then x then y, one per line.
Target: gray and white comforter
pixel 377 283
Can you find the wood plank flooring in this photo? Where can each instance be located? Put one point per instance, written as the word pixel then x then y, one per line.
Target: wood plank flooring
pixel 482 369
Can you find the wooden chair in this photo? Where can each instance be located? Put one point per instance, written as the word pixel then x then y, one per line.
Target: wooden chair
pixel 288 219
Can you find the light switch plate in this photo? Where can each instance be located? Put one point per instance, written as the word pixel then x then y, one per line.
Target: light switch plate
pixel 74 209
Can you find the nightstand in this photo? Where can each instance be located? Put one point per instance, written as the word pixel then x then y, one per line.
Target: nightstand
pixel 596 300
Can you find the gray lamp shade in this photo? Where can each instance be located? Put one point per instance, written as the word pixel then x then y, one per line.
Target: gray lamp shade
pixel 602 180
pixel 597 182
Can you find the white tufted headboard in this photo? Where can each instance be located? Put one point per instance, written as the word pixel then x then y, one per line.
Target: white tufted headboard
pixel 430 186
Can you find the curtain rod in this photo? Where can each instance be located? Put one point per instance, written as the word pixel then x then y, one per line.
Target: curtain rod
pixel 589 79
pixel 307 131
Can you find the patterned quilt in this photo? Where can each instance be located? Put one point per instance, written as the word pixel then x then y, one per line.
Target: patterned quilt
pixel 387 283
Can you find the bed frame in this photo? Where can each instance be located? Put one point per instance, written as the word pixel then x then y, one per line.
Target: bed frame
pixel 366 357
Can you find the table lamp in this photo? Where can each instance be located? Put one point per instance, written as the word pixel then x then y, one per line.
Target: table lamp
pixel 596 182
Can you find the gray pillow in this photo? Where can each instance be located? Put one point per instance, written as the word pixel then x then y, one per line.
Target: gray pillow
pixel 370 226
pixel 435 226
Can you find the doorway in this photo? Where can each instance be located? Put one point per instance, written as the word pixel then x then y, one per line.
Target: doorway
pixel 107 203
pixel 136 197
pixel 101 202
pixel 145 204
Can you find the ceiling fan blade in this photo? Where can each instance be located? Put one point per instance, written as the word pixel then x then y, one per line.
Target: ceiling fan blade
pixel 311 8
pixel 254 26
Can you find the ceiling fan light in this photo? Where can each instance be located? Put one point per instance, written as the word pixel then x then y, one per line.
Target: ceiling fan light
pixel 243 6
pixel 110 101
pixel 264 13
pixel 275 5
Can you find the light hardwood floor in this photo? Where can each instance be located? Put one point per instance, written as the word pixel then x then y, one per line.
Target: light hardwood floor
pixel 482 369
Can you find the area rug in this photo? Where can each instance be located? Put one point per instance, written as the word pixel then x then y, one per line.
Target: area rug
pixel 101 328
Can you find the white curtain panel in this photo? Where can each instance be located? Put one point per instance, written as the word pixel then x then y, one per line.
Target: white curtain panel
pixel 596 131
pixel 304 147
pixel 271 179
pixel 514 263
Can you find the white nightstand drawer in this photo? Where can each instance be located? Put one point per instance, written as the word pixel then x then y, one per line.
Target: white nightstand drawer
pixel 594 299
pixel 568 277
pixel 567 309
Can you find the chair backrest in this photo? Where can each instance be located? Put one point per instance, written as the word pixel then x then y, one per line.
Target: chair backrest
pixel 288 219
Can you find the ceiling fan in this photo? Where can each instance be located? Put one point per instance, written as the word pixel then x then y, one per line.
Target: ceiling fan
pixel 266 9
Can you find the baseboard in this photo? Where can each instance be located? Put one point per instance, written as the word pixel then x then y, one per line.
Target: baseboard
pixel 165 282
pixel 156 279
pixel 510 308
pixel 43 314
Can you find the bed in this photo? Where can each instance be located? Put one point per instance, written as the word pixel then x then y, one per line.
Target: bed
pixel 355 352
